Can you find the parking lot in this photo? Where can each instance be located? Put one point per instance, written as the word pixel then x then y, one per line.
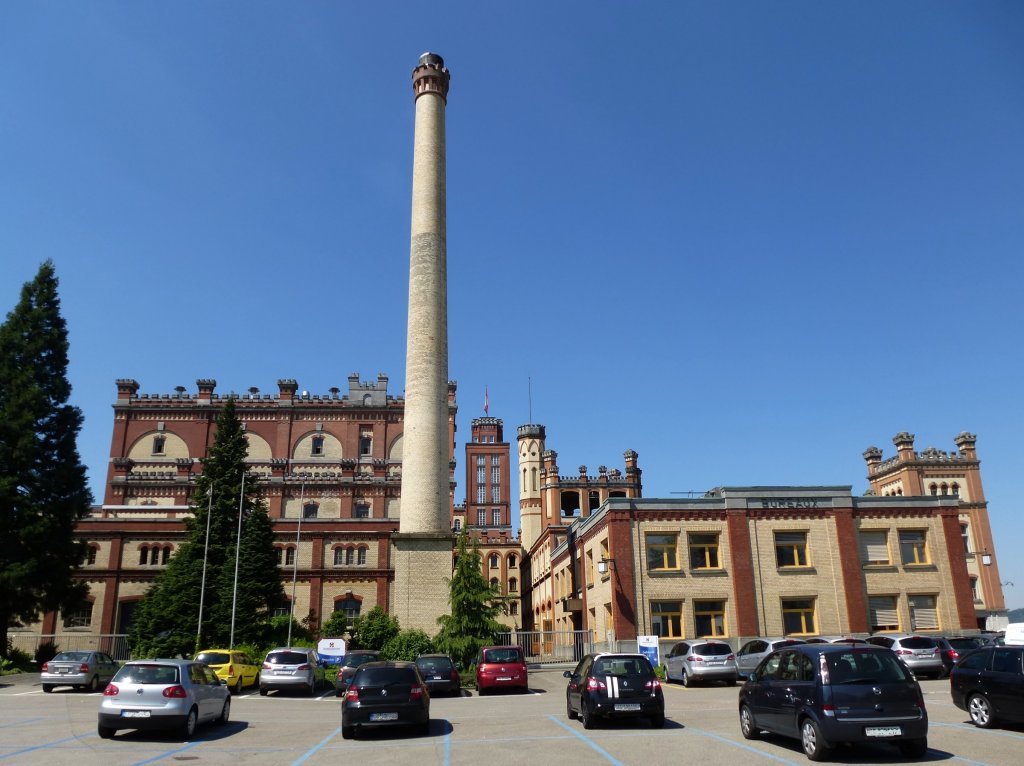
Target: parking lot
pixel 37 728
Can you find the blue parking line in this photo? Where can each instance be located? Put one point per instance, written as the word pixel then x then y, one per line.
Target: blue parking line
pixel 20 723
pixel 972 727
pixel 743 746
pixel 596 747
pixel 38 747
pixel 160 757
pixel 447 748
pixel 317 747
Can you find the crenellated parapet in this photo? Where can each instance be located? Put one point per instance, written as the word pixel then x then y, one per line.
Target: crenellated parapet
pixel 431 76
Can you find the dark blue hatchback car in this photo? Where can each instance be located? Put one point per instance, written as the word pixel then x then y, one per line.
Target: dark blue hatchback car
pixel 827 694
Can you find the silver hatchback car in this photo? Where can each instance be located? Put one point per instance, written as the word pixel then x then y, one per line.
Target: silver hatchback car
pixel 292 668
pixel 163 694
pixel 751 653
pixel 921 654
pixel 701 660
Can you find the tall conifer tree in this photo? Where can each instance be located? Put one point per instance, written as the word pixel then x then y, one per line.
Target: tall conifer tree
pixel 167 620
pixel 43 487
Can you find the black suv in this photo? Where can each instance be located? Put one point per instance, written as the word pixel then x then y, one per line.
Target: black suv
pixel 349 664
pixel 614 686
pixel 827 694
pixel 989 684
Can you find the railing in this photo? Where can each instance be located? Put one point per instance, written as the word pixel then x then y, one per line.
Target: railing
pixel 551 645
pixel 116 645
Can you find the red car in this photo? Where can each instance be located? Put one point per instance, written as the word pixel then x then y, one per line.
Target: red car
pixel 501 667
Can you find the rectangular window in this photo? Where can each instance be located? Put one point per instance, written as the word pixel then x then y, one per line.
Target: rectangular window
pixel 798 617
pixel 481 461
pixel 974 589
pixel 309 511
pixel 80 618
pixel 366 442
pixel 362 511
pixel 709 618
pixel 496 517
pixel 791 549
pixel 495 493
pixel 481 518
pixel 481 475
pixel 883 614
pixel 874 547
pixel 913 547
pixel 158 444
pixel 704 551
pixel 924 614
pixel 667 618
pixel 457 525
pixel 495 474
pixel 590 567
pixel 481 493
pixel 317 447
pixel 661 552
pixel 965 535
pixel 90 556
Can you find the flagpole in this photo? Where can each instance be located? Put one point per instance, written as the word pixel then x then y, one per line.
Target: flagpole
pixel 238 547
pixel 295 561
pixel 206 553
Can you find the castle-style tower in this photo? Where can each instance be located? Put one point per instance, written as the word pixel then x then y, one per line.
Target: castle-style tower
pixel 531 447
pixel 422 549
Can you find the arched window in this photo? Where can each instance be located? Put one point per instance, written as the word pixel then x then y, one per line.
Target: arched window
pixel 349 606
pixel 933 488
pixel 279 554
pixel 513 608
pixel 494 582
pixel 361 556
pixel 955 489
pixel 513 585
pixel 166 555
pixel 512 561
pixel 339 556
pixel 349 555
pixel 457 526
pixel 90 556
pixel 945 488
pixel 493 561
pixel 289 556
pixel 144 555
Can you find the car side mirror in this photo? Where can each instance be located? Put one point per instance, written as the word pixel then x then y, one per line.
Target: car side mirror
pixel 567 674
pixel 752 677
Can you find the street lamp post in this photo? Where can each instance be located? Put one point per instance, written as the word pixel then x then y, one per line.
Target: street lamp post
pixel 238 546
pixel 295 560
pixel 206 551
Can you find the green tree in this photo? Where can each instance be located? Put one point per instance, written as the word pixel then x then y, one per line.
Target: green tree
pixel 43 487
pixel 335 625
pixel 374 630
pixel 166 620
pixel 407 645
pixel 475 604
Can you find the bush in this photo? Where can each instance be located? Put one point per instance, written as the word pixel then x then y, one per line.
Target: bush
pixel 17 661
pixel 660 672
pixel 46 652
pixel 407 645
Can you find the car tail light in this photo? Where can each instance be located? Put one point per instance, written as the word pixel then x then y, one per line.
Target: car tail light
pixel 352 695
pixel 111 691
pixel 303 666
pixel 265 666
pixel 953 654
pixel 694 658
pixel 415 692
pixel 903 651
pixel 175 692
pixel 455 674
pixel 83 668
pixel 730 657
pixel 231 670
pixel 46 667
pixel 593 685
pixel 653 685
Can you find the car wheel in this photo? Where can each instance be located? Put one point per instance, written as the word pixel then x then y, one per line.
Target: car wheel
pixel 586 716
pixel 94 684
pixel 981 711
pixel 188 730
pixel 811 741
pixel 569 712
pixel 731 682
pixel 347 732
pixel 658 721
pixel 312 687
pixel 47 688
pixel 748 726
pixel 685 680
pixel 914 748
pixel 238 686
pixel 105 732
pixel 263 692
pixel 225 712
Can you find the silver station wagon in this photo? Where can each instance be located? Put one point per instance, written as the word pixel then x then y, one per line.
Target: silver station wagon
pixel 82 670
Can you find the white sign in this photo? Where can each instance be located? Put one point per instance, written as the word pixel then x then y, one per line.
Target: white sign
pixel 331 649
pixel 649 647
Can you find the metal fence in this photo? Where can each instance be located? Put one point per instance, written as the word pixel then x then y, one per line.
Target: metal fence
pixel 116 645
pixel 551 645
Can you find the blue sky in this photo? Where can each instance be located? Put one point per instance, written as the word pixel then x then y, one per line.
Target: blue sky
pixel 746 240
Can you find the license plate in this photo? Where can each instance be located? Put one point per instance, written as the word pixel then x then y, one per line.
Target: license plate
pixel 504 678
pixel 63 671
pixel 716 662
pixel 436 678
pixel 282 672
pixel 883 731
pixel 627 708
pixel 135 714
pixel 383 716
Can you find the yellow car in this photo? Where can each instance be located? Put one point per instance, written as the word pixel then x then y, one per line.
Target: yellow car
pixel 235 669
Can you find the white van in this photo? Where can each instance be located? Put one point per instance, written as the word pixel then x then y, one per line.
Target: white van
pixel 1014 635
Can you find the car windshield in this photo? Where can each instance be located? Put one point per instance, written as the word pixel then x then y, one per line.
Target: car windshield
pixel 358 659
pixel 622 666
pixel 964 644
pixel 434 664
pixel 287 658
pixel 147 674
pixel 865 667
pixel 712 650
pixel 71 657
pixel 918 642
pixel 213 658
pixel 502 655
pixel 384 676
